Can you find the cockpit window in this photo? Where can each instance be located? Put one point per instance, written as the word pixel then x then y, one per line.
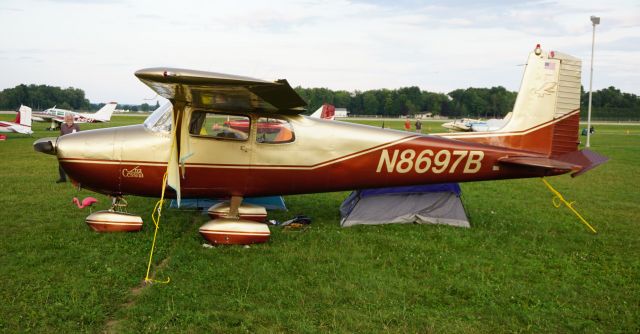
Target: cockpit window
pixel 220 126
pixel 160 119
pixel 274 131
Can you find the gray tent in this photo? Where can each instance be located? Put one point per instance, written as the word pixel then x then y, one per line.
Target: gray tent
pixel 432 204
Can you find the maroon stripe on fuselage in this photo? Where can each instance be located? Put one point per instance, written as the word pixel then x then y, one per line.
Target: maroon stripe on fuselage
pixel 357 172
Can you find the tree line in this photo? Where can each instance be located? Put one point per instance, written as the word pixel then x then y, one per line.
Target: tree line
pixel 40 97
pixel 611 103
pixel 494 102
pixel 409 101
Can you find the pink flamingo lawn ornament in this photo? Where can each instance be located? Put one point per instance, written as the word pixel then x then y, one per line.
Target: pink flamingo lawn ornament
pixel 85 202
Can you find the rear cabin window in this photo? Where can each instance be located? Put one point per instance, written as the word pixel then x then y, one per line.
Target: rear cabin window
pixel 274 131
pixel 219 126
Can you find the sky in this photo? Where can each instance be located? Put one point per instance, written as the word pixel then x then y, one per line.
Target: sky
pixel 439 46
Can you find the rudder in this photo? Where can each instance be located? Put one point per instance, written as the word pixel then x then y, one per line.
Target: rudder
pixel 24 116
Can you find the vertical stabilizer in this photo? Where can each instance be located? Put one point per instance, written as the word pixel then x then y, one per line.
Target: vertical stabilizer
pixel 24 116
pixel 546 114
pixel 326 111
pixel 104 114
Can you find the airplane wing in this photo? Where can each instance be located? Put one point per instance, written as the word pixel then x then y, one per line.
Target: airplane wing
pixel 76 119
pixel 23 130
pixel 39 117
pixel 223 91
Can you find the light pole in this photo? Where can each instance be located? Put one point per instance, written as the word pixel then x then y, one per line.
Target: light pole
pixel 595 21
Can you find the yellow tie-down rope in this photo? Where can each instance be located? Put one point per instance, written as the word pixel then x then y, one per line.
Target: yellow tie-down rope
pixel 559 200
pixel 157 213
pixel 155 216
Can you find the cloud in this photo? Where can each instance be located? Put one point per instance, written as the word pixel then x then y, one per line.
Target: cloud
pixel 439 45
pixel 11 9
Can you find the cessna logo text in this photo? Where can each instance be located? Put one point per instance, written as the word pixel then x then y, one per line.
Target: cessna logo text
pixel 444 161
pixel 134 172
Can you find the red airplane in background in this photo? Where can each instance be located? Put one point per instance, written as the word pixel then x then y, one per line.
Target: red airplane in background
pixel 22 123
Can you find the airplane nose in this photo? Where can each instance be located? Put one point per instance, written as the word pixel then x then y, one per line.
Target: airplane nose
pixel 46 145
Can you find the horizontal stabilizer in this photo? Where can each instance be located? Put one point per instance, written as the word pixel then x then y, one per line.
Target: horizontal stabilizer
pixel 540 162
pixel 585 158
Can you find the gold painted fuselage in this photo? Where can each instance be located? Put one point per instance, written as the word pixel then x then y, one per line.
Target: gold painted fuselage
pixel 325 156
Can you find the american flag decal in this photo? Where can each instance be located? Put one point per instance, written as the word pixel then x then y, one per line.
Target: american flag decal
pixel 549 66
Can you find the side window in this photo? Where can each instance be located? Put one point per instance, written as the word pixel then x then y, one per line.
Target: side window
pixel 221 126
pixel 274 131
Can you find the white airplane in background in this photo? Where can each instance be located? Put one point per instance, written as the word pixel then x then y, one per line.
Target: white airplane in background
pixel 56 115
pixel 476 125
pixel 22 124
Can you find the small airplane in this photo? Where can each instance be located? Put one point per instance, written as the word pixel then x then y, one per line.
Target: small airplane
pixel 188 141
pixel 461 124
pixel 476 125
pixel 22 123
pixel 56 115
pixel 326 111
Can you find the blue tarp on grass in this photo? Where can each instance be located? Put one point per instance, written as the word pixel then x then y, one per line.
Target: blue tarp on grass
pixel 269 202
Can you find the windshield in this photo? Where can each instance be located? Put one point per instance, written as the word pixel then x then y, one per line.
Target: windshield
pixel 160 119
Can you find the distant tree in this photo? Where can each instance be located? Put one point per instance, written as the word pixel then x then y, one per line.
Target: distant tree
pixel 43 96
pixel 370 103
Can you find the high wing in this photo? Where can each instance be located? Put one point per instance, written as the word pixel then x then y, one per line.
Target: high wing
pixel 217 91
pixel 222 91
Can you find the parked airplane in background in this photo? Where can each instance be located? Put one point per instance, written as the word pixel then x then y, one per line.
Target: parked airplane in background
pixel 476 125
pixel 203 156
pixel 56 115
pixel 326 111
pixel 22 124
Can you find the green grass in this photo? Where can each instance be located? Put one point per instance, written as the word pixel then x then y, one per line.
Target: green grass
pixel 524 266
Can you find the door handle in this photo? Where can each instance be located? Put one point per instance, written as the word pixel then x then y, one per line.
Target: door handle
pixel 244 148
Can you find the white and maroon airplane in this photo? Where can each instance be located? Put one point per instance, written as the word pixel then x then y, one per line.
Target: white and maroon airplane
pixel 278 151
pixel 56 115
pixel 22 123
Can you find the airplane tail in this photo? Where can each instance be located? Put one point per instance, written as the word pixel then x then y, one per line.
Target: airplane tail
pixel 104 114
pixel 24 116
pixel 327 111
pixel 546 115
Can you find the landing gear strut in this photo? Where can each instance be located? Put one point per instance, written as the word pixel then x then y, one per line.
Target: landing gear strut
pixel 118 204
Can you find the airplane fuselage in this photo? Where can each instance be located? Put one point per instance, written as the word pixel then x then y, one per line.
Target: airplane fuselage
pixel 324 156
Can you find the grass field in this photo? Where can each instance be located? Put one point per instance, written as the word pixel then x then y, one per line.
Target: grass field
pixel 524 266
